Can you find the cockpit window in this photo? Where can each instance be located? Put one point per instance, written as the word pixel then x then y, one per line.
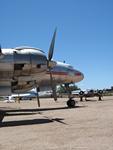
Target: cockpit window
pixel 71 67
pixel 61 68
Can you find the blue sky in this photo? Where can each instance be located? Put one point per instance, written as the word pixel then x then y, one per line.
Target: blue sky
pixel 84 37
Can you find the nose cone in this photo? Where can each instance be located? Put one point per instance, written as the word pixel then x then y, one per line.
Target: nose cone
pixel 78 76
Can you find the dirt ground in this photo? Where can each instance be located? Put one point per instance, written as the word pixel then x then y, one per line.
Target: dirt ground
pixel 89 126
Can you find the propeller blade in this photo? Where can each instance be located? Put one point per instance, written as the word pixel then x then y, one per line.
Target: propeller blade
pixel 51 64
pixel 51 49
pixel 52 86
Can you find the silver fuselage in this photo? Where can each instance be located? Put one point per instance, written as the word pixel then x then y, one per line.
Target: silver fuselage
pixel 21 67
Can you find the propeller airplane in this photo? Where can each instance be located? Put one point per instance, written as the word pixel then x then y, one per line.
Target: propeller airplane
pixel 23 68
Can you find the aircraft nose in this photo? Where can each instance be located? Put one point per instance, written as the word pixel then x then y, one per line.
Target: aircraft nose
pixel 79 75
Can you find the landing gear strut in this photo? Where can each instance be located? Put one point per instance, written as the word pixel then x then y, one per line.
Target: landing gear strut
pixel 71 102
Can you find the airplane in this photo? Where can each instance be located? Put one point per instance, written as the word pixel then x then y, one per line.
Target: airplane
pixel 23 68
pixel 91 93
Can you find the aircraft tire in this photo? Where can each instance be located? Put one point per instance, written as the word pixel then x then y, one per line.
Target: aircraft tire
pixel 81 93
pixel 71 103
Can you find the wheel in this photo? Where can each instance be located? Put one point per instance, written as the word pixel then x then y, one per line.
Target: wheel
pixel 81 93
pixel 100 92
pixel 71 103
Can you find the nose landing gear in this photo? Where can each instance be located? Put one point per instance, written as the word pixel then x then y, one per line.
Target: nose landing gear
pixel 71 102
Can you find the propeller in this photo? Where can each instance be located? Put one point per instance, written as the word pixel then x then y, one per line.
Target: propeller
pixel 51 63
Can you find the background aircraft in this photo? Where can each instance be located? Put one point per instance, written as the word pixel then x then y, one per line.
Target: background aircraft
pixel 23 96
pixel 91 93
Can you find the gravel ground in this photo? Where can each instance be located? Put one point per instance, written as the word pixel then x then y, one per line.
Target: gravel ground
pixel 89 126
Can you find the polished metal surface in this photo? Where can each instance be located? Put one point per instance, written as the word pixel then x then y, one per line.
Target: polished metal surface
pixel 21 67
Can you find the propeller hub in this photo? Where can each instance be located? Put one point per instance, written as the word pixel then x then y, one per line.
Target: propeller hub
pixel 51 64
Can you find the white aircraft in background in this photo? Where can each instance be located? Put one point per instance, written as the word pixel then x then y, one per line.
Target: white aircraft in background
pixel 15 97
pixel 25 68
